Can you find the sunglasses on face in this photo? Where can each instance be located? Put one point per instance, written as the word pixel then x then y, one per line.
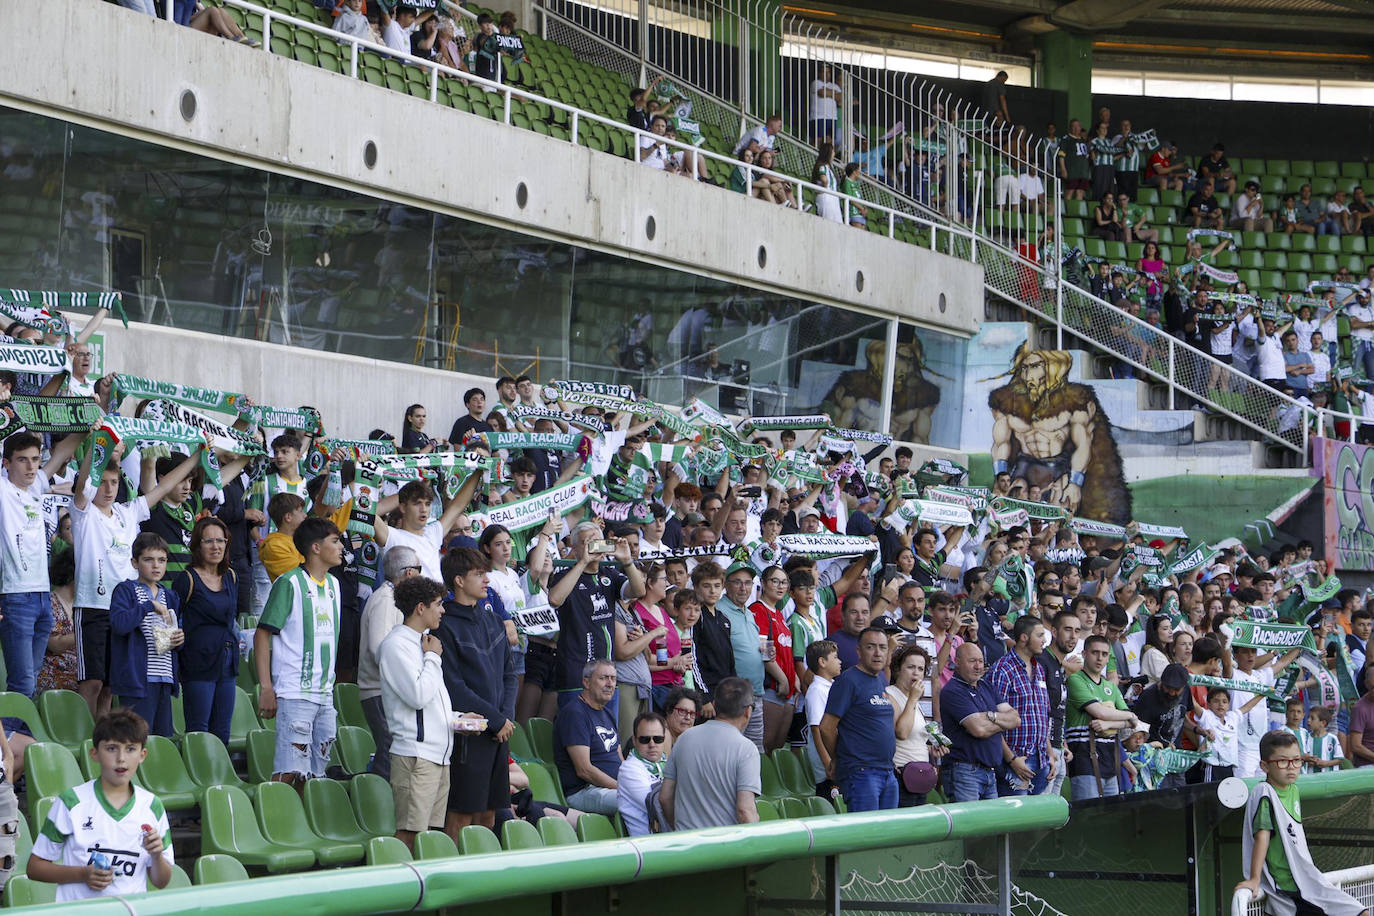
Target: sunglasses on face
pixel 645 739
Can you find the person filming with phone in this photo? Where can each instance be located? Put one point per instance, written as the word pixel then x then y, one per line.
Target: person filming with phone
pixel 585 595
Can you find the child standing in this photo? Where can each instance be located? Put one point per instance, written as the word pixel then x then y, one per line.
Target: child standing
pixel 1220 724
pixel 106 837
pixel 1323 750
pixel 277 551
pixel 823 664
pixel 1275 851
pixel 1292 723
pixel 143 635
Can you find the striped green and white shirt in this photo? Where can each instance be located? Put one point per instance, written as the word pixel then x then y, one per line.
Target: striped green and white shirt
pixel 270 485
pixel 1104 151
pixel 1132 148
pixel 302 614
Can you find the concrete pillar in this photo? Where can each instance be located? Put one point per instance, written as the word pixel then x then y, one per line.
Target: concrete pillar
pixel 755 30
pixel 1066 64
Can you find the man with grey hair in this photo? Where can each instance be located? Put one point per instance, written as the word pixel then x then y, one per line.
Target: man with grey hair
pixel 380 617
pixel 586 745
pixel 712 776
pixel 585 595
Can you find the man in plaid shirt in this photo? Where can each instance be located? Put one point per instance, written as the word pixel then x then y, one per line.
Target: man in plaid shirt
pixel 1019 680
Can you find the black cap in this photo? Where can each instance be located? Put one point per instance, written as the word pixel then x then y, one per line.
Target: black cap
pixel 1174 677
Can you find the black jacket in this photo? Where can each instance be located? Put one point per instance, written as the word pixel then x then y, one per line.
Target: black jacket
pixel 479 671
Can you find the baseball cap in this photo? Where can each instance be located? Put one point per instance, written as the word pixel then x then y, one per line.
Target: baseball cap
pixel 694 518
pixel 809 512
pixel 1174 676
pixel 740 566
pixel 1141 727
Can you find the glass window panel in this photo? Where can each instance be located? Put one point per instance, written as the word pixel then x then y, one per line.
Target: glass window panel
pixel 1267 91
pixel 1183 88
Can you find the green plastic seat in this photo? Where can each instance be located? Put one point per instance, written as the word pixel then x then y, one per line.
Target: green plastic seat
pixel 767 810
pixel 770 780
pixel 386 850
pixel 593 827
pixel 39 812
pixel 517 834
pixel 435 844
pixel 543 786
pixel 179 878
pixel 18 706
pixel 243 721
pixel 219 869
pixel 208 763
pixel 330 814
pixel 20 890
pixel 819 806
pixel 476 840
pixel 50 769
pixel 89 768
pixel 1353 244
pixel 794 774
pixel 520 747
pixel 373 805
pixel 541 737
pixel 792 807
pixel 554 831
pixel 1304 242
pixel 229 827
pixel 66 717
pixel 261 749
pixel 1250 259
pixel 1275 260
pixel 164 774
pixel 1325 263
pixel 356 747
pixel 282 819
pixel 248 675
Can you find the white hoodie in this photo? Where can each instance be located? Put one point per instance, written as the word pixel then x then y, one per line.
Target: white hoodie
pixel 414 698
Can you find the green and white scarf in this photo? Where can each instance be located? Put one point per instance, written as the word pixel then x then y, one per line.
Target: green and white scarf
pixel 651 453
pixel 1043 512
pixel 585 421
pixel 975 498
pixel 1164 532
pixel 1271 637
pixel 558 442
pixel 929 510
pixel 700 413
pixel 768 424
pixel 824 546
pixel 230 402
pixel 1234 683
pixel 592 394
pixel 1200 556
pixel 34 359
pixel 1097 529
pixel 115 429
pixel 56 414
pixel 666 419
pixel 307 420
pixel 55 299
pixel 36 318
pixel 533 511
pixel 221 435
pixel 861 435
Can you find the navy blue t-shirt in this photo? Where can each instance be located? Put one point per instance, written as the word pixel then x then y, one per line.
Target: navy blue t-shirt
pixel 578 723
pixel 847 649
pixel 866 735
pixel 958 701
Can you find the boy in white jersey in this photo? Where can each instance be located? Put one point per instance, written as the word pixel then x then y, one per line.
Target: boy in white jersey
pixel 294 649
pixel 103 533
pixel 107 837
pixel 284 478
pixel 416 530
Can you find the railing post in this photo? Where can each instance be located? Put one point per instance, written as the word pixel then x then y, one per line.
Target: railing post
pixel 832 886
pixel 1056 260
pixel 574 132
pixel 266 31
pixel 1004 873
pixel 505 116
pixel 643 42
pixel 1171 373
pixel 889 376
pixel 353 60
pixel 746 94
pixel 1058 315
pixel 434 85
pixel 891 229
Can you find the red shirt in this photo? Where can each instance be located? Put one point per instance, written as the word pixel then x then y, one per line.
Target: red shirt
pixel 771 623
pixel 1159 164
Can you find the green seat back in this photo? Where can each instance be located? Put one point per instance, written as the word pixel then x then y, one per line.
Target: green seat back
pixel 385 850
pixel 243 721
pixel 373 805
pixel 50 769
pixel 39 812
pixel 819 806
pixel 228 826
pixel 475 840
pixel 793 773
pixel 435 844
pixel 219 869
pixel 261 749
pixel 356 748
pixel 517 834
pixel 20 890
pixel 542 784
pixel 164 774
pixel 18 706
pixel 541 738
pixel 349 705
pixel 66 717
pixel 330 814
pixel 281 815
pixel 554 831
pixel 179 879
pixel 767 810
pixel 520 747
pixel 23 845
pixel 208 763
pixel 593 827
pixel 89 768
pixel 794 807
pixel 770 780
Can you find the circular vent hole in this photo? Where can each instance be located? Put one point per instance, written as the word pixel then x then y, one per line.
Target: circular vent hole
pixel 370 154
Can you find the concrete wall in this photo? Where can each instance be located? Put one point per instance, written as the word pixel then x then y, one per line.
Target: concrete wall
pixel 128 73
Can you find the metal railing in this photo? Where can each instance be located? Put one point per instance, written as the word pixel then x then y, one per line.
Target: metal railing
pixel 1357 882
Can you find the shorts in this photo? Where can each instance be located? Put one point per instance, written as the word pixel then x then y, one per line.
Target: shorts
pixel 1076 184
pixel 541 666
pixel 421 789
pixel 479 775
pixel 92 628
pixel 305 733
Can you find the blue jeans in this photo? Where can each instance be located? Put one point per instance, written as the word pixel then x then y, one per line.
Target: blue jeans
pixel 305 733
pixel 155 706
pixel 970 782
pixel 869 788
pixel 209 705
pixel 24 632
pixel 1008 781
pixel 1085 787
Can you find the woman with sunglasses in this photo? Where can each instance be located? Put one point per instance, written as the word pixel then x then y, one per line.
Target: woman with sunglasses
pixel 642 771
pixel 781 685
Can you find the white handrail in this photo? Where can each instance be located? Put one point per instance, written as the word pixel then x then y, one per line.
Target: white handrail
pixel 1242 899
pixel 576 114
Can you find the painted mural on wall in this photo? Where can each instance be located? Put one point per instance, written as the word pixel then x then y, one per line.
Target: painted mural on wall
pixel 1052 436
pixel 1347 470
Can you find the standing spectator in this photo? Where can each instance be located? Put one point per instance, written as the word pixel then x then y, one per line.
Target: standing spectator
pixel 416 529
pixel 479 675
pixel 1104 153
pixel 781 684
pixel 995 97
pixel 908 669
pixel 208 594
pixel 858 213
pixel 1019 680
pixel 352 21
pixel 143 633
pixel 854 618
pixel 641 772
pixel 634 643
pixel 1131 146
pixel 293 648
pixel 858 729
pixel 413 438
pixel 1247 210
pixel 1060 660
pixel 636 115
pixel 825 174
pixel 749 649
pixel 59 665
pixel 475 400
pixel 823 663
pixel 486 62
pixel 380 617
pixel 712 775
pixel 586 744
pixel 1362 723
pixel 824 96
pixel 1297 365
pixel 417 709
pixel 653 614
pixel 974 720
pixel 1095 711
pixel 712 652
pixel 585 595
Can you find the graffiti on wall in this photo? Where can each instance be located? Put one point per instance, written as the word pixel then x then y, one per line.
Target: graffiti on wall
pixel 1347 471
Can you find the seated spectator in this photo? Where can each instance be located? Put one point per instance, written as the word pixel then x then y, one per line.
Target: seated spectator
pixel 1135 227
pixel 1361 213
pixel 1288 220
pixel 1162 172
pixel 713 773
pixel 740 177
pixel 213 20
pixel 352 21
pixel 780 189
pixel 760 137
pixel 1032 186
pixel 511 45
pixel 682 709
pixel 1309 211
pixel 586 744
pixel 1336 217
pixel 424 41
pixel 1107 221
pixel 653 152
pixel 858 213
pixel 641 773
pixel 1247 211
pixel 1203 210
pixel 1217 168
